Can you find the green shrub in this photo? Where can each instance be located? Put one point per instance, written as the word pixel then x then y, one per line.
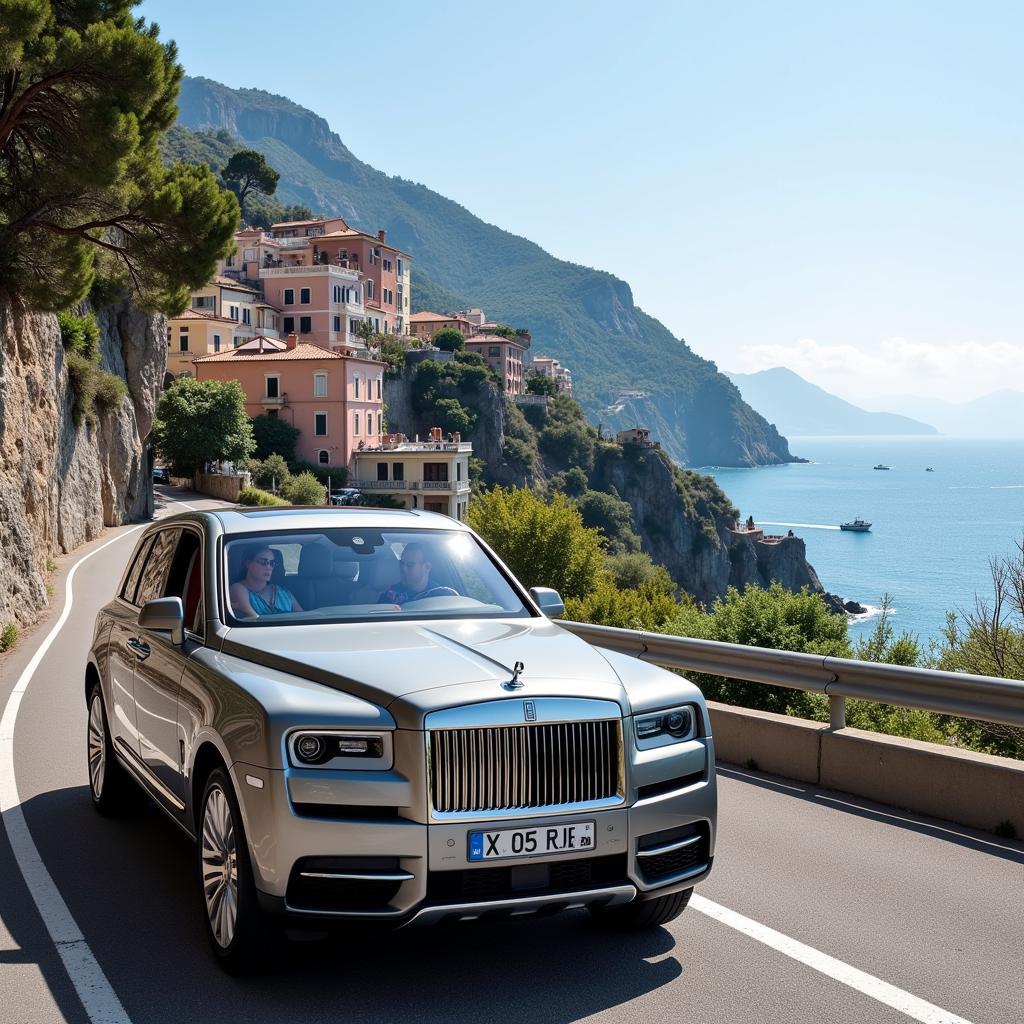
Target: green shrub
pixel 646 607
pixel 452 415
pixel 80 334
pixel 338 475
pixel 82 379
pixel 635 569
pixel 270 472
pixel 254 496
pixel 110 391
pixel 612 516
pixel 274 436
pixel 304 489
pixel 449 340
pixel 8 636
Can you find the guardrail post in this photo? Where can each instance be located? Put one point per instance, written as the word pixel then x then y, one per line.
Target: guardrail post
pixel 836 712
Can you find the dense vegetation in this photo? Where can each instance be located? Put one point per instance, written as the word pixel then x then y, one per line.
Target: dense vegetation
pixel 91 387
pixel 87 92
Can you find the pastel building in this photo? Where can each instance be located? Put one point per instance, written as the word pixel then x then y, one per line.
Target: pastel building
pixel 321 303
pixel 336 401
pixel 226 297
pixel 545 366
pixel 505 355
pixel 196 333
pixel 432 474
pixel 425 325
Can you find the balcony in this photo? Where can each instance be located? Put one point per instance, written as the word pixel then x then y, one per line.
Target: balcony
pixel 275 402
pixel 386 485
pixel 293 243
pixel 316 269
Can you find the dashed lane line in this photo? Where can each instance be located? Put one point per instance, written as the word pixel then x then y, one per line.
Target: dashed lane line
pixel 881 991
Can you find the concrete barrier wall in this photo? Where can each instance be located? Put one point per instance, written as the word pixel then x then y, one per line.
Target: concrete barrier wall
pixel 219 485
pixel 959 785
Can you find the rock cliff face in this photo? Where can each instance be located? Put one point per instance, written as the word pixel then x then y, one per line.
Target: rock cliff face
pixel 60 485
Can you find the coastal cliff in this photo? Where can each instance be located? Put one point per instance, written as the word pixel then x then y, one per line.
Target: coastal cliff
pixel 61 484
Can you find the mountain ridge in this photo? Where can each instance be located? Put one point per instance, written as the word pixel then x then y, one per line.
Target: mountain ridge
pixel 584 317
pixel 798 407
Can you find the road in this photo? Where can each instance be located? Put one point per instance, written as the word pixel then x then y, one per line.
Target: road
pixel 821 907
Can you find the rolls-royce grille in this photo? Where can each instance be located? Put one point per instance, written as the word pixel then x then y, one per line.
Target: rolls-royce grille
pixel 524 766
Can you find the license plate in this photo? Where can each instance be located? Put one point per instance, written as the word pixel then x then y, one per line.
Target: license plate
pixel 531 842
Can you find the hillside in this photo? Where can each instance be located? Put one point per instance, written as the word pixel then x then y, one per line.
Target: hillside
pixel 797 406
pixel 583 317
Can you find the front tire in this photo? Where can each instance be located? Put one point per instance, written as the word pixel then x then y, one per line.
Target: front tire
pixel 637 915
pixel 114 792
pixel 242 938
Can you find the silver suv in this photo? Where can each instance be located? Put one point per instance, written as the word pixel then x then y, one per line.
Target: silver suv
pixel 360 715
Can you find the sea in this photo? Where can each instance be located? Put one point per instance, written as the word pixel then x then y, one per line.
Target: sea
pixel 932 534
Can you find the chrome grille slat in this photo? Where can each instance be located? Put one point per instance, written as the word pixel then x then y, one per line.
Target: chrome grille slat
pixel 523 767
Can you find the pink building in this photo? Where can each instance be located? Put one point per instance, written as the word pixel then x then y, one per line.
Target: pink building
pixel 335 401
pixel 425 324
pixel 504 355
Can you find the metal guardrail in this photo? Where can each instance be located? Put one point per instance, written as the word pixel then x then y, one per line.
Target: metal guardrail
pixel 987 698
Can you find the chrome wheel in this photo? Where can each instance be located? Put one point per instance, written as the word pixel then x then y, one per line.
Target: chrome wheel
pixel 220 867
pixel 97 746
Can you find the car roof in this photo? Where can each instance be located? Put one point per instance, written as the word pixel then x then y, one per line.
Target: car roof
pixel 304 517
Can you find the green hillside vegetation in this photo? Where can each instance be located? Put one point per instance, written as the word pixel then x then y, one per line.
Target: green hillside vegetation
pixel 582 316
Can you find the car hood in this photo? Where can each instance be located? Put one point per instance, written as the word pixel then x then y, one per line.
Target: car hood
pixel 415 667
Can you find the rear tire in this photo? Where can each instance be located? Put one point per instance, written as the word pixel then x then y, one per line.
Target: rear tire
pixel 637 915
pixel 243 939
pixel 114 792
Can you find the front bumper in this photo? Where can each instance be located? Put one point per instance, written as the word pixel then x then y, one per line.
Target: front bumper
pixel 319 856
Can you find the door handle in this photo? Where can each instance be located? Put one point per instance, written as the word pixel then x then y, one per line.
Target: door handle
pixel 140 649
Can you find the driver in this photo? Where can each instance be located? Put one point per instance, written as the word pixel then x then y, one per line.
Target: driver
pixel 414 584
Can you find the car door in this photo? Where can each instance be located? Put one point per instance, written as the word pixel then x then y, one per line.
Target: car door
pixel 121 655
pixel 158 667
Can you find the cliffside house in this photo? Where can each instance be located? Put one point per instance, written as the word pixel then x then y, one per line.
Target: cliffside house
pixel 335 400
pixel 637 435
pixel 546 366
pixel 504 355
pixel 425 325
pixel 431 474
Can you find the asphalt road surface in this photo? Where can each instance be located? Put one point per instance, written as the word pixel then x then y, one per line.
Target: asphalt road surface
pixel 821 907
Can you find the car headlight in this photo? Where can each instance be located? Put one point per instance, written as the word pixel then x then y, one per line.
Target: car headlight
pixel 674 724
pixel 340 748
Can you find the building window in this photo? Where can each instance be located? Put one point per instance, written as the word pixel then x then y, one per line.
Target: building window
pixel 353 325
pixel 435 471
pixel 369 289
pixel 289 296
pixel 400 271
pixel 273 386
pixel 289 324
pixel 458 470
pixel 494 350
pixel 216 343
pixel 387 264
pixel 355 384
pixel 398 471
pixel 303 296
pixel 183 341
pixel 204 302
pixel 337 323
pixel 355 420
pixel 323 456
pixel 378 389
pixel 338 297
pixel 305 324
pixel 247 316
pixel 233 312
pixel 369 424
pixel 319 424
pixel 319 385
pixel 382 471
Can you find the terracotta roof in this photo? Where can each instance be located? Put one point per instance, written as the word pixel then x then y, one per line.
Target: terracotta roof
pixel 425 316
pixel 301 351
pixel 353 233
pixel 230 282
pixel 199 314
pixel 300 223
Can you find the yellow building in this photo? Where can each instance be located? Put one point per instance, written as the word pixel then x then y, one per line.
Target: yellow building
pixel 196 333
pixel 228 298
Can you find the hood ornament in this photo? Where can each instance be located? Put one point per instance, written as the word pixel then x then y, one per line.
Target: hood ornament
pixel 514 683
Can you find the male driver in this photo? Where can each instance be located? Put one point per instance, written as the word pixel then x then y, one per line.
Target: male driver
pixel 414 584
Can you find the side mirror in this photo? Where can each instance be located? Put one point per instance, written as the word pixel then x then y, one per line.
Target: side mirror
pixel 549 601
pixel 165 613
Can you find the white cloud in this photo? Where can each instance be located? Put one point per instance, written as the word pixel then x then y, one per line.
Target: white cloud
pixel 957 371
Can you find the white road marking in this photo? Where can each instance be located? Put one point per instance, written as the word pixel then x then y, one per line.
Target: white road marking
pixel 910 1005
pixel 100 1001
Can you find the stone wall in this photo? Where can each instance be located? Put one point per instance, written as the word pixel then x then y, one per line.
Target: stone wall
pixel 225 486
pixel 60 485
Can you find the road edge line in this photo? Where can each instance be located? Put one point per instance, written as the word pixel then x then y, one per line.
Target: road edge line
pixel 98 998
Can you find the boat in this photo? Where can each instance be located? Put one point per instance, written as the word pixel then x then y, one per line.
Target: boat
pixel 880 466
pixel 928 469
pixel 857 526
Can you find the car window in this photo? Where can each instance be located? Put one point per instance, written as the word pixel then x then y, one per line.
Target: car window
pixel 361 574
pixel 151 585
pixel 185 580
pixel 132 580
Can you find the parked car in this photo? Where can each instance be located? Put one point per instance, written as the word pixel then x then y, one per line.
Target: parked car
pixel 346 496
pixel 161 475
pixel 360 715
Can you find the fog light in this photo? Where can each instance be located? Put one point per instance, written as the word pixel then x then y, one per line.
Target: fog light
pixel 360 746
pixel 309 748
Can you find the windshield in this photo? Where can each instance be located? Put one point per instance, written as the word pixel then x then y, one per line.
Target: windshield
pixel 352 575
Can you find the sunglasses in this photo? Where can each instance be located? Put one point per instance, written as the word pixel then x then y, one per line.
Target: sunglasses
pixel 408 565
pixel 267 562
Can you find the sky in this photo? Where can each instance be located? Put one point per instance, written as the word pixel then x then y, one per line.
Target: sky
pixel 831 187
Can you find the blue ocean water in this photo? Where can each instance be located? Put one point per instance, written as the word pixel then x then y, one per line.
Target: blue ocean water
pixel 932 534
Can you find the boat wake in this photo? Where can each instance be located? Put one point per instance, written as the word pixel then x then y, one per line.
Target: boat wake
pixel 798 526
